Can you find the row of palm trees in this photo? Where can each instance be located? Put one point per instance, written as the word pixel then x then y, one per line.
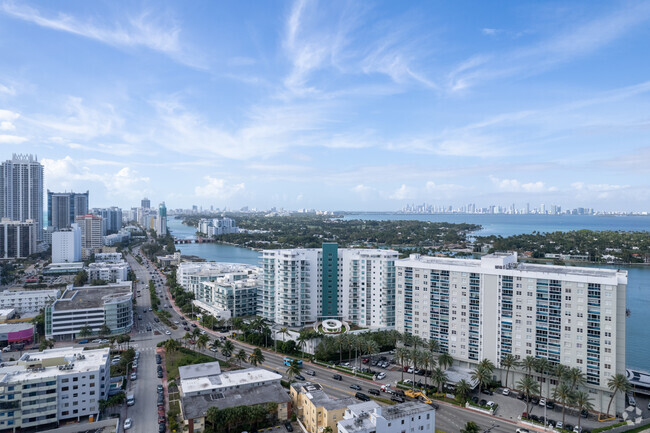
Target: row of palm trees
pixel 227 349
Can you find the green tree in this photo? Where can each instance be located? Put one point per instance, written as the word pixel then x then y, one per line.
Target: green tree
pixel 576 377
pixel 227 348
pixel 85 331
pixel 328 429
pixel 171 345
pixel 481 374
pixel 302 342
pixel 257 357
pixel 434 346
pixel 402 354
pixel 541 367
pixel 202 341
pixel 529 364
pixel 463 390
pixel 294 369
pixel 341 340
pixel 241 356
pixel 445 360
pixel 582 401
pixel 216 344
pixel 104 330
pixel 439 377
pixel 471 427
pixel 617 383
pixel 564 394
pixel 80 279
pixel 528 386
pixel 508 361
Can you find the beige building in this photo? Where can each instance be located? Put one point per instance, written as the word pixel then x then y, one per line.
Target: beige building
pixel 315 409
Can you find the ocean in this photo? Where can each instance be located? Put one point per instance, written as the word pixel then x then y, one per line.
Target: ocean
pixel 638 288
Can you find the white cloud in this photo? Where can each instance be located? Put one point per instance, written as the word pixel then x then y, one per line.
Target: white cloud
pixel 513 185
pixel 402 193
pixel 432 187
pixel 218 189
pixel 6 126
pixel 154 32
pixel 11 139
pixel 7 90
pixel 362 189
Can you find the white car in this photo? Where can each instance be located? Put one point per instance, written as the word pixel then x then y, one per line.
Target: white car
pixel 128 423
pixel 203 332
pixel 490 404
pixel 506 391
pixel 381 375
pixel 168 332
pixel 410 370
pixel 542 402
pixel 177 322
pixel 558 425
pixel 97 341
pixel 577 429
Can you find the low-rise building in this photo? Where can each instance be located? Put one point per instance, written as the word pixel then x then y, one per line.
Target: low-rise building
pixel 316 410
pixel 203 386
pixel 109 258
pixel 63 268
pixel 28 301
pixel 90 307
pixel 43 388
pixel 108 272
pixel 369 417
pixel 13 333
pixel 169 259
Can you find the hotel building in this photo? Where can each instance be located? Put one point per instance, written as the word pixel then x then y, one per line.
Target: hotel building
pixel 495 306
pixel 302 286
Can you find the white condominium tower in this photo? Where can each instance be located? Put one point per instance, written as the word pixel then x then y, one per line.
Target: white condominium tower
pixel 302 286
pixel 21 190
pixel 494 306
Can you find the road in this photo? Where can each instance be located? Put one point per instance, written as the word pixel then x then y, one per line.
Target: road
pixel 449 418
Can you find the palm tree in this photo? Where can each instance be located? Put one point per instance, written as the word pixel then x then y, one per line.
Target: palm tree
pixel 327 429
pixel 202 342
pixel 583 402
pixel 429 360
pixel 284 332
pixel 471 427
pixel 257 357
pixel 462 390
pixel 445 360
pixel 216 344
pixel 195 333
pixel 370 347
pixel 227 348
pixel 529 364
pixel 481 374
pixel 487 365
pixel 402 354
pixel 351 341
pixel 302 342
pixel 576 377
pixel 617 383
pixel 341 340
pixel 241 356
pixel 85 331
pixel 528 386
pixel 509 361
pixel 434 346
pixel 541 366
pixel 563 393
pixel 439 377
pixel 186 337
pixel 294 369
pixel 170 345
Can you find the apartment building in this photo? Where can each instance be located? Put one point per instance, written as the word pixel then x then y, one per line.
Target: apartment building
pixel 190 275
pixel 108 258
pixel 21 190
pixel 495 306
pixel 92 307
pixel 369 417
pixel 66 245
pixel 64 207
pixel 42 389
pixel 317 410
pixel 28 301
pixel 301 286
pixel 235 292
pixel 91 233
pixel 108 272
pixel 18 239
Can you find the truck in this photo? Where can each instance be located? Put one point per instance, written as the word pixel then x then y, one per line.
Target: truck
pixel 130 399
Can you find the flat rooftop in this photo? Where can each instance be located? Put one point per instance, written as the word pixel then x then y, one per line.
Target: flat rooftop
pixel 35 365
pixel 319 398
pixel 199 370
pixel 196 406
pixel 405 409
pixel 227 380
pixel 88 297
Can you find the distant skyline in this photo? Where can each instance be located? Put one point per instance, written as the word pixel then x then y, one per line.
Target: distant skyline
pixel 331 105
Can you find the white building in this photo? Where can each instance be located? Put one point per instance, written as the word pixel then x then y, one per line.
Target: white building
pixel 494 306
pixel 91 233
pixel 18 239
pixel 28 301
pixel 235 292
pixel 108 258
pixel 43 388
pixel 301 286
pixel 190 275
pixel 369 417
pixel 121 236
pixel 21 190
pixel 92 307
pixel 217 226
pixel 66 245
pixel 109 272
pixel 207 378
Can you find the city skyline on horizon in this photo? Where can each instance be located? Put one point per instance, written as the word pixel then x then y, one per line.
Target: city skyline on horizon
pixel 312 105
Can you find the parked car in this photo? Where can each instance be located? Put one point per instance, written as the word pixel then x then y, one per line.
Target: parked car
pixel 559 425
pixel 134 376
pixel 128 423
pixel 506 391
pixel 83 342
pixel 381 375
pixel 288 426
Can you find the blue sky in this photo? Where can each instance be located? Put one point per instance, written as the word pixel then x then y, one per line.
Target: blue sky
pixel 333 104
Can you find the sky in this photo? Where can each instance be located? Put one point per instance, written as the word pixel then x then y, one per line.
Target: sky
pixel 331 105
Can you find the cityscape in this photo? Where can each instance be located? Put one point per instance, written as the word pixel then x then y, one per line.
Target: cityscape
pixel 324 217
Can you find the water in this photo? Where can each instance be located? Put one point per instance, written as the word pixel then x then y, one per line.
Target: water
pixel 211 251
pixel 638 287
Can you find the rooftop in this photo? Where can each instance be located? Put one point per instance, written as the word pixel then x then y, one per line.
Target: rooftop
pixel 30 293
pixel 199 370
pixel 405 409
pixel 53 362
pixel 228 379
pixel 196 406
pixel 87 297
pixel 314 392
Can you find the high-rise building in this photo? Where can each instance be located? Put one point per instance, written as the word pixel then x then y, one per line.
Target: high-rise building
pixel 18 239
pixel 145 203
pixel 21 190
pixel 112 218
pixel 66 245
pixel 495 306
pixel 161 221
pixel 91 233
pixel 301 286
pixel 64 207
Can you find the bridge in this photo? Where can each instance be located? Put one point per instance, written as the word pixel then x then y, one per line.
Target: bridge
pixel 193 241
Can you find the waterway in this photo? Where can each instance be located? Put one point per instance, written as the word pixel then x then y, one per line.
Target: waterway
pixel 638 288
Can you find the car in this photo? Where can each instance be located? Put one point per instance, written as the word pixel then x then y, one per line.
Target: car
pixel 409 370
pixel 162 428
pixel 97 341
pixel 355 386
pixel 542 402
pixel 533 417
pixel 487 392
pixel 490 404
pixel 167 332
pixel 550 405
pixel 397 399
pixel 160 388
pixel 585 413
pixel 155 319
pixel 193 325
pixel 381 375
pixel 148 327
pixel 374 362
pixel 506 391
pixel 162 419
pixel 128 423
pixel 150 309
pixel 160 375
pixel 203 332
pixel 482 402
pixel 177 322
pixel 559 425
pixel 520 396
pixel 534 400
pixel 83 342
pixel 475 399
pixel 523 430
pixel 310 372
pixel 299 377
pixel 568 426
pixel 288 426
pixel 184 322
pixel 361 396
pixel 408 382
pixel 134 376
pixel 337 377
pixel 577 429
pixel 186 328
pixel 214 349
pixel 373 391
pixel 192 342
